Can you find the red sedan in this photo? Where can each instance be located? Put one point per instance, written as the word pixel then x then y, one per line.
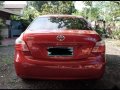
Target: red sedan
pixel 59 47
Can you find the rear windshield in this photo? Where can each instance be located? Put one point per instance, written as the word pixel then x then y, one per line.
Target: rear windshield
pixel 57 23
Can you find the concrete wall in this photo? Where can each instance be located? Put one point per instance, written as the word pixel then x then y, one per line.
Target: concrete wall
pixel 4 32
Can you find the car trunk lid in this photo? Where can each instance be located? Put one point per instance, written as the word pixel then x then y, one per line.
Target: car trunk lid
pixel 77 44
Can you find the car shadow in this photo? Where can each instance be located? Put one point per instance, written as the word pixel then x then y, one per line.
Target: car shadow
pixel 110 80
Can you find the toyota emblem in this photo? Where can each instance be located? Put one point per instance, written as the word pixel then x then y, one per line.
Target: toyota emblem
pixel 60 37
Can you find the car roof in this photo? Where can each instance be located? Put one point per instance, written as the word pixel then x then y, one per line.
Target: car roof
pixel 61 15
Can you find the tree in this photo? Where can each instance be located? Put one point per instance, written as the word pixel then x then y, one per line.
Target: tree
pixel 29 12
pixel 108 9
pixel 54 7
pixel 37 4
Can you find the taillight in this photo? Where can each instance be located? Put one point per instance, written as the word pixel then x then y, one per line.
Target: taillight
pixel 99 47
pixel 21 45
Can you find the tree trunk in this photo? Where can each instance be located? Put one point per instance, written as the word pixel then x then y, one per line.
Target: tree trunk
pixel 104 26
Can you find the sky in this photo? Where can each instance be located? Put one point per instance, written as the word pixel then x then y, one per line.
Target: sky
pixel 15 2
pixel 79 5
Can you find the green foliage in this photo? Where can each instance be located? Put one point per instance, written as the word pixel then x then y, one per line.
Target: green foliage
pixel 1 38
pixel 78 13
pixel 105 9
pixel 37 4
pixel 100 31
pixel 54 7
pixel 1 23
pixel 89 11
pixel 92 13
pixel 28 13
pixel 116 34
pixel 111 10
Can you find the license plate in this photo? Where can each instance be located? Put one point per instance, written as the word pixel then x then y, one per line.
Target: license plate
pixel 60 51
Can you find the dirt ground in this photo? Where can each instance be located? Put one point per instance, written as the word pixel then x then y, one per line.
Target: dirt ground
pixel 110 80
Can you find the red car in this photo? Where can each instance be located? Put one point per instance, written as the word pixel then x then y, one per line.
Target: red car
pixel 59 47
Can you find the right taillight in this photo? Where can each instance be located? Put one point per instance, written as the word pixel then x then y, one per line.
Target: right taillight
pixel 99 47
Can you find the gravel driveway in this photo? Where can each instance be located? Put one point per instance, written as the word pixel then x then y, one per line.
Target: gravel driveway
pixel 111 79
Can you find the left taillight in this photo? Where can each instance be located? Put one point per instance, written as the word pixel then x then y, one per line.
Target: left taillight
pixel 21 45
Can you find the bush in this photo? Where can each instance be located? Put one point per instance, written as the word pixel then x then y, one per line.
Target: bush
pixel 100 31
pixel 1 25
pixel 1 38
pixel 116 34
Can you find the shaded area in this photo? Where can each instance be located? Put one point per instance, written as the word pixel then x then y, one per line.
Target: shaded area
pixel 9 80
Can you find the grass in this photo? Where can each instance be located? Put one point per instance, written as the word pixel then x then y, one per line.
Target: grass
pixel 6 55
pixel 6 60
pixel 6 45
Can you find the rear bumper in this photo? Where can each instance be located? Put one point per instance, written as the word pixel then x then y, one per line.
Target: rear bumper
pixel 41 69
